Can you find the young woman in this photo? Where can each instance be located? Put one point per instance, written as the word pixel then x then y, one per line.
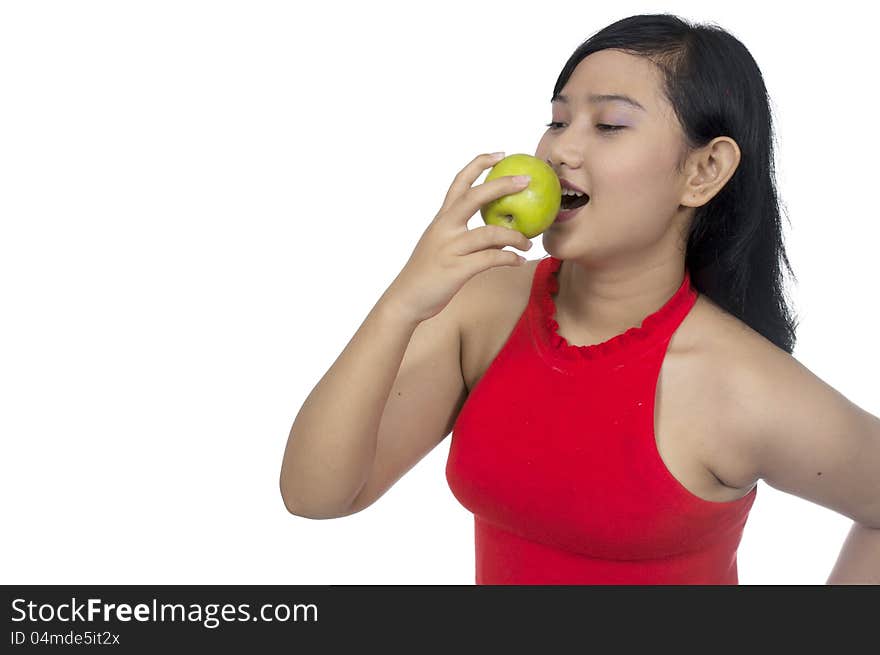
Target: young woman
pixel 613 405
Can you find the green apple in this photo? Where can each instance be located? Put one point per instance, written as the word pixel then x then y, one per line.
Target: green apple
pixel 532 210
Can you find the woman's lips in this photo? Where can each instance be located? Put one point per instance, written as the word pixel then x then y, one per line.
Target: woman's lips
pixel 567 214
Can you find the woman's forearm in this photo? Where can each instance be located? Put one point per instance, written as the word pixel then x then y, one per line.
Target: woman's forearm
pixel 859 559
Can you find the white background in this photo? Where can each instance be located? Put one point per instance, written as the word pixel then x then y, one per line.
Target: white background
pixel 201 202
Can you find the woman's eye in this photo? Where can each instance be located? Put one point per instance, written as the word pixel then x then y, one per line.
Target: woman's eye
pixel 602 127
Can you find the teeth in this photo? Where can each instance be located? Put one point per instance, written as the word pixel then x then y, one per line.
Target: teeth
pixel 572 192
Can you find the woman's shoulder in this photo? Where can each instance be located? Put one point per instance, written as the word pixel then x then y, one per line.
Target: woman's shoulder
pixel 497 290
pixel 492 302
pixel 723 346
pixel 728 354
pixel 725 336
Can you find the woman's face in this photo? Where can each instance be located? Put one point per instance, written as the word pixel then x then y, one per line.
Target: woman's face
pixel 634 214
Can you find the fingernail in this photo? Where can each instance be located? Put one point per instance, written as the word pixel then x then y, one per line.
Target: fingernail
pixel 497 155
pixel 522 179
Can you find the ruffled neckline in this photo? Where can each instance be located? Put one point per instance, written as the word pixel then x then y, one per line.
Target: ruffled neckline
pixel 661 323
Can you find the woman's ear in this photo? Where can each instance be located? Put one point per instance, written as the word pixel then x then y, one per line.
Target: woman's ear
pixel 708 169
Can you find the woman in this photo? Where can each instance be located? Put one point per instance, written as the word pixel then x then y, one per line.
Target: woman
pixel 613 405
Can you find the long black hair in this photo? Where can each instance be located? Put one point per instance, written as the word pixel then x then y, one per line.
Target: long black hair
pixel 735 247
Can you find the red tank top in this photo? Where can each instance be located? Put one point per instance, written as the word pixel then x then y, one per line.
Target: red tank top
pixel 555 455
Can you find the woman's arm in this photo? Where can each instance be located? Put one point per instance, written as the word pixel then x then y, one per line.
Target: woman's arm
pixel 859 559
pixel 803 437
pixel 332 443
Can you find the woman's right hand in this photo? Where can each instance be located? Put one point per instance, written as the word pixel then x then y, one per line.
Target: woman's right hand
pixel 448 254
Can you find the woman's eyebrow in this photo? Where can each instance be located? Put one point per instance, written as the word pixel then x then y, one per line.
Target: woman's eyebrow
pixel 596 98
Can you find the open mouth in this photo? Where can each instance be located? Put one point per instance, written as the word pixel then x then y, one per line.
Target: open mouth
pixel 574 201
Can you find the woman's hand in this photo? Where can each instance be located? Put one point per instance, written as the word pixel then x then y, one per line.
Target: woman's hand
pixel 448 253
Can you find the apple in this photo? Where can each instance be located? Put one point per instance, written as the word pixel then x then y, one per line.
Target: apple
pixel 532 210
